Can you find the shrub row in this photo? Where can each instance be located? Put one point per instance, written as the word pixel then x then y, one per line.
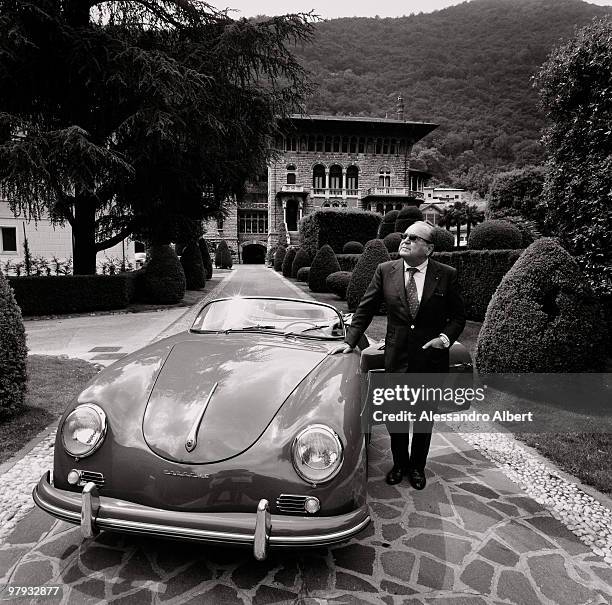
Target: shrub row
pixel 72 293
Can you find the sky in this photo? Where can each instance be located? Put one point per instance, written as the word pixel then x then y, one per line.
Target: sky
pixel 331 9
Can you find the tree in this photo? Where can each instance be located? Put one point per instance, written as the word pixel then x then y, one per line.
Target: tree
pixel 517 192
pixel 113 112
pixel 575 86
pixel 473 217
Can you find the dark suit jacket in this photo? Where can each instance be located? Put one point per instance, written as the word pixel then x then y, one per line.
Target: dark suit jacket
pixel 441 310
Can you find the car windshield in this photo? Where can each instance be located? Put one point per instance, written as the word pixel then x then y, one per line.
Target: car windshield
pixel 286 316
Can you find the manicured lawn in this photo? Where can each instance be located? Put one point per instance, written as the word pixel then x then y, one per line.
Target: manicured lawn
pixel 52 383
pixel 585 455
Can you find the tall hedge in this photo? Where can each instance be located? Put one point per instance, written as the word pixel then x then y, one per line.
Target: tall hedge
pixel 335 227
pixel 13 353
pixel 406 217
pixel 338 282
pixel 495 235
pixel 323 264
pixel 279 257
pixel 288 261
pixel 542 318
pixel 388 224
pixel 205 252
pixel 163 279
pixel 223 256
pixel 302 259
pixel 193 266
pixel 374 253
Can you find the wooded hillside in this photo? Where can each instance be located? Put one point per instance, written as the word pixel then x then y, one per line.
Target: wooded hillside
pixel 467 68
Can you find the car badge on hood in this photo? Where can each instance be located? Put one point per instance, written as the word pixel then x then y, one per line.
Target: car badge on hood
pixel 192 437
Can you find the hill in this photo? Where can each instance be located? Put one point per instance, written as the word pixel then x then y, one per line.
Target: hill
pixel 467 68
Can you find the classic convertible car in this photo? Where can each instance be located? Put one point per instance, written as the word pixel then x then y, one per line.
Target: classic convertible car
pixel 242 430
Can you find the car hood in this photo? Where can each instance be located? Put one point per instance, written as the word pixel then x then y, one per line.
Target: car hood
pixel 253 378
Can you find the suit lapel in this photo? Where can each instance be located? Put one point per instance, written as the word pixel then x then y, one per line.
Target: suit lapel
pixel 398 278
pixel 432 275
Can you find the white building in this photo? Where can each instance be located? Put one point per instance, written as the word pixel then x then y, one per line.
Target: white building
pixel 446 195
pixel 46 241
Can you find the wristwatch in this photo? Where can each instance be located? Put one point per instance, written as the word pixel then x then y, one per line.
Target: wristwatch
pixel 444 338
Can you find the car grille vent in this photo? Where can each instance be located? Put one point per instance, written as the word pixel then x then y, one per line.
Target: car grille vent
pixel 289 503
pixel 87 476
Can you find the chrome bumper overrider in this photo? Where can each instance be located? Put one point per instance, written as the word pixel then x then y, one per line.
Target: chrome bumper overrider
pixel 94 512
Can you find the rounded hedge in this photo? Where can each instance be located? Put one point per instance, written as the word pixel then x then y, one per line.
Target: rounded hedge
pixel 338 282
pixel 163 280
pixel 392 241
pixel 406 217
pixel 495 235
pixel 288 261
pixel 323 264
pixel 352 248
pixel 205 252
pixel 303 273
pixel 13 353
pixel 223 256
pixel 388 224
pixel 375 252
pixel 193 266
pixel 279 257
pixel 443 240
pixel 302 259
pixel 542 318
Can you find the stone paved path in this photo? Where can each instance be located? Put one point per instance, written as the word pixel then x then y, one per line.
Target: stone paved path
pixel 471 537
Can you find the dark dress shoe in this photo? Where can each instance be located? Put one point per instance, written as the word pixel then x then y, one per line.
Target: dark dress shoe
pixel 395 475
pixel 417 478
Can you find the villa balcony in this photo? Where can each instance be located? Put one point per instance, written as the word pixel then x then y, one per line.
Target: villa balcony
pixel 388 192
pixel 338 193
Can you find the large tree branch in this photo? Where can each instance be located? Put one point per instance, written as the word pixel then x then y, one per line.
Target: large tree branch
pixel 115 239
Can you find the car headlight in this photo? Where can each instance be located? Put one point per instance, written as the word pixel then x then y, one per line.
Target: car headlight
pixel 84 430
pixel 317 453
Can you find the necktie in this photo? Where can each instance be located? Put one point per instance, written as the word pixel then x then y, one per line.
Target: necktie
pixel 411 291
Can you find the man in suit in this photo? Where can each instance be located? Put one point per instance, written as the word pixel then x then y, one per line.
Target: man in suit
pixel 425 315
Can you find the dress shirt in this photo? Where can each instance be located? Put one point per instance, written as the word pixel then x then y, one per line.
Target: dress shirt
pixel 419 277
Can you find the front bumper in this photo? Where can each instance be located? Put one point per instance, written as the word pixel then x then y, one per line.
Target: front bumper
pixel 259 529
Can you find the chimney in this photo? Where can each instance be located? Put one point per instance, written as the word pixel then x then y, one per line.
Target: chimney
pixel 400 108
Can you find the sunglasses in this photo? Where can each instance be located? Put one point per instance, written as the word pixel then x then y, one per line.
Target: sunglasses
pixel 414 238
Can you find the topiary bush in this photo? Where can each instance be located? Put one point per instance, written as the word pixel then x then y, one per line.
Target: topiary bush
pixel 443 240
pixel 335 227
pixel 303 273
pixel 392 241
pixel 495 235
pixel 542 318
pixel 223 256
pixel 323 264
pixel 348 262
pixel 302 259
pixel 406 217
pixel 13 353
pixel 288 261
pixel 352 248
pixel 205 252
pixel 279 257
pixel 374 253
pixel 338 282
pixel 163 280
pixel 193 266
pixel 388 224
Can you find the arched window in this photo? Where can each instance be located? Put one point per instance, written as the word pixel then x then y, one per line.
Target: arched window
pixel 380 208
pixel 352 178
pixel 318 177
pixel 335 205
pixel 291 178
pixel 220 222
pixel 291 167
pixel 326 205
pixel 388 207
pixel 384 177
pixel 335 177
pixel 398 206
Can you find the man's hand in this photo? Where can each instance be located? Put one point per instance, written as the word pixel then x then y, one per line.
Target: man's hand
pixel 435 343
pixel 343 348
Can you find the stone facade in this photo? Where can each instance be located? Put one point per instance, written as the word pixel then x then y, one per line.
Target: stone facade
pixel 326 161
